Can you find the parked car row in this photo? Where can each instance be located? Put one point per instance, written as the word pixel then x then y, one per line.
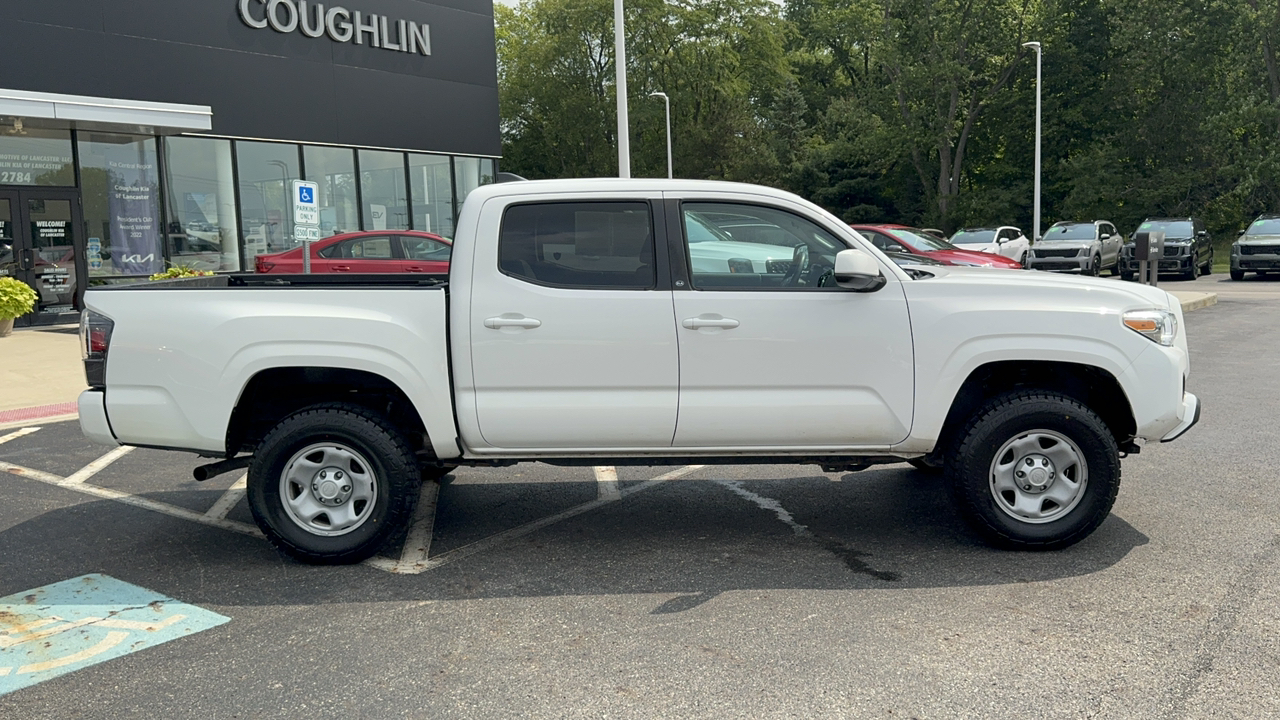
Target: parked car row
pixel 739 245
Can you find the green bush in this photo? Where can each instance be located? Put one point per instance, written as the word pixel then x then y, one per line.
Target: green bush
pixel 16 298
pixel 180 271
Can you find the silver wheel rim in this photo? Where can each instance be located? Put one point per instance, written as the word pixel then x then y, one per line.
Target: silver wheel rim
pixel 1038 476
pixel 328 489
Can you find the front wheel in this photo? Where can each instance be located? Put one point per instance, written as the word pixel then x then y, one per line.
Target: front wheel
pixel 1237 274
pixel 1095 267
pixel 333 483
pixel 1034 471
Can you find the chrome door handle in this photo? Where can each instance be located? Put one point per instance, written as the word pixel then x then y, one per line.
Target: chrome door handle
pixel 506 321
pixel 698 323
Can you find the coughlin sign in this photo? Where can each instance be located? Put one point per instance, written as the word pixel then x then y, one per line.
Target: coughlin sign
pixel 340 24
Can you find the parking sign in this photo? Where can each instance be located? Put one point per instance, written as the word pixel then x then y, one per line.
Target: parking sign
pixel 306 211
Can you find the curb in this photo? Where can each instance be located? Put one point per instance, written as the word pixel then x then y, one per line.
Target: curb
pixel 1203 300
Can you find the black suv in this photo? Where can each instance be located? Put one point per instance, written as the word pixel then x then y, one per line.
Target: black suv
pixel 1188 249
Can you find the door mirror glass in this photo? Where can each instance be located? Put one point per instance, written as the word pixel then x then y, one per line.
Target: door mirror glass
pixel 855 270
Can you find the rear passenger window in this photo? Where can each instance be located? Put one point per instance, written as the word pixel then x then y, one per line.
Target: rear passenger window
pixel 579 245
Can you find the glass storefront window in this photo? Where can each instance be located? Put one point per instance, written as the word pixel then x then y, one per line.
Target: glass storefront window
pixel 120 188
pixel 267 172
pixel 334 170
pixel 386 205
pixel 200 190
pixel 472 173
pixel 32 156
pixel 431 183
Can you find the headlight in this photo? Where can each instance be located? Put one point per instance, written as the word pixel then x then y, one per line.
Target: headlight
pixel 1084 252
pixel 1158 325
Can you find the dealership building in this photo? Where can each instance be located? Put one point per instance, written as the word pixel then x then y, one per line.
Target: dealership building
pixel 140 134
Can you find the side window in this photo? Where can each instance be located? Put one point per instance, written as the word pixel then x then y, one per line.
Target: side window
pixel 365 248
pixel 584 245
pixel 884 242
pixel 740 247
pixel 419 248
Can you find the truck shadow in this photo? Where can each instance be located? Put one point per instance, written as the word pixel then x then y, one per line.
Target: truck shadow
pixel 695 539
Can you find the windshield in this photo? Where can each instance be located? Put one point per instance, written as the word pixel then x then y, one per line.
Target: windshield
pixel 918 240
pixel 1170 228
pixel 699 230
pixel 975 236
pixel 1074 231
pixel 1265 226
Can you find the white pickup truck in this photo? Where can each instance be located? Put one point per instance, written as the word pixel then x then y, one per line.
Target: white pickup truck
pixel 571 330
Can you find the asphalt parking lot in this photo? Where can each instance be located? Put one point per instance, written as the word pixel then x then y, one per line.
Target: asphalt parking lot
pixel 692 592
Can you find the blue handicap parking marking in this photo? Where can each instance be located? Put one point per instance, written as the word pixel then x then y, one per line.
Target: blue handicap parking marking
pixel 69 625
pixel 305 195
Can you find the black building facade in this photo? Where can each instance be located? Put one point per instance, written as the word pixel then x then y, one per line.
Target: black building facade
pixel 140 134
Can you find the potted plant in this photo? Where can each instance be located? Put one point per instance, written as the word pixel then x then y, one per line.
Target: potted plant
pixel 176 272
pixel 16 298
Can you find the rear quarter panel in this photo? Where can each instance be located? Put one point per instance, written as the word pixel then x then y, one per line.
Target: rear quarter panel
pixel 180 358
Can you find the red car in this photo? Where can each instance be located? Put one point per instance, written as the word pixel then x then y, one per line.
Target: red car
pixel 902 239
pixel 374 251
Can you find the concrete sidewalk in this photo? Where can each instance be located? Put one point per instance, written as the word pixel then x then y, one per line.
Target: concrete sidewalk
pixel 1194 300
pixel 40 368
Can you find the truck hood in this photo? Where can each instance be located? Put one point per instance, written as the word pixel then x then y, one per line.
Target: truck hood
pixel 1078 289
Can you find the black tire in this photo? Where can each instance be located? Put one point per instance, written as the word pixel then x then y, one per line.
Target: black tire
pixel 1237 274
pixel 389 456
pixel 925 466
pixel 1115 269
pixel 970 476
pixel 1095 267
pixel 1208 266
pixel 1126 276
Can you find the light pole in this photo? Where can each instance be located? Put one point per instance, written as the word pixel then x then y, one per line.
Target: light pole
pixel 1035 211
pixel 620 62
pixel 666 101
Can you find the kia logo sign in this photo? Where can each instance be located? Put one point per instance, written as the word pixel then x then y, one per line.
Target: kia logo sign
pixel 341 25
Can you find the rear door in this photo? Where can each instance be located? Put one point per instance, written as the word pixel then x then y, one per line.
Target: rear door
pixel 572 331
pixel 793 364
pixel 365 254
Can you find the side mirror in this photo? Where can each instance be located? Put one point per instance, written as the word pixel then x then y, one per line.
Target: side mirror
pixel 1106 236
pixel 858 271
pixel 1201 233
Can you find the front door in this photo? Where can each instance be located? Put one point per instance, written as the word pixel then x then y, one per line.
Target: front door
pixel 41 244
pixel 774 354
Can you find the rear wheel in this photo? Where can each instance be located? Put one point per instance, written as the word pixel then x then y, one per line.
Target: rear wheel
pixel 1034 471
pixel 333 483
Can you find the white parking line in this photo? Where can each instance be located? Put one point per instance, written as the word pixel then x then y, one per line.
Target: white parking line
pixel 414 556
pixel 17 434
pixel 607 482
pixel 228 499
pixel 134 500
pixel 95 467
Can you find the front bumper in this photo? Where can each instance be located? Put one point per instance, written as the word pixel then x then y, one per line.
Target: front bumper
pixel 1054 264
pixel 1255 262
pixel 93 417
pixel 1189 416
pixel 1174 264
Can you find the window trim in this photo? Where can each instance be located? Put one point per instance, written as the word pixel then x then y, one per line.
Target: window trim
pixel 683 242
pixel 657 225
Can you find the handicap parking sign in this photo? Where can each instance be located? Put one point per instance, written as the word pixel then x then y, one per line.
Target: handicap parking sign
pixel 306 195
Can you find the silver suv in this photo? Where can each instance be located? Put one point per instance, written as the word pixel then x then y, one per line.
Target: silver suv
pixel 1258 249
pixel 1084 247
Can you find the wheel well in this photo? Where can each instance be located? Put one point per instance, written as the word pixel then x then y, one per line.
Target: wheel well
pixel 1094 387
pixel 274 394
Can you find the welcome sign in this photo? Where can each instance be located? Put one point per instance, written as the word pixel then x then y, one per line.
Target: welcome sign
pixel 341 25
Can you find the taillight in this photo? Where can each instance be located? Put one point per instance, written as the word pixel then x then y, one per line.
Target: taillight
pixel 95 339
pixel 263 266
